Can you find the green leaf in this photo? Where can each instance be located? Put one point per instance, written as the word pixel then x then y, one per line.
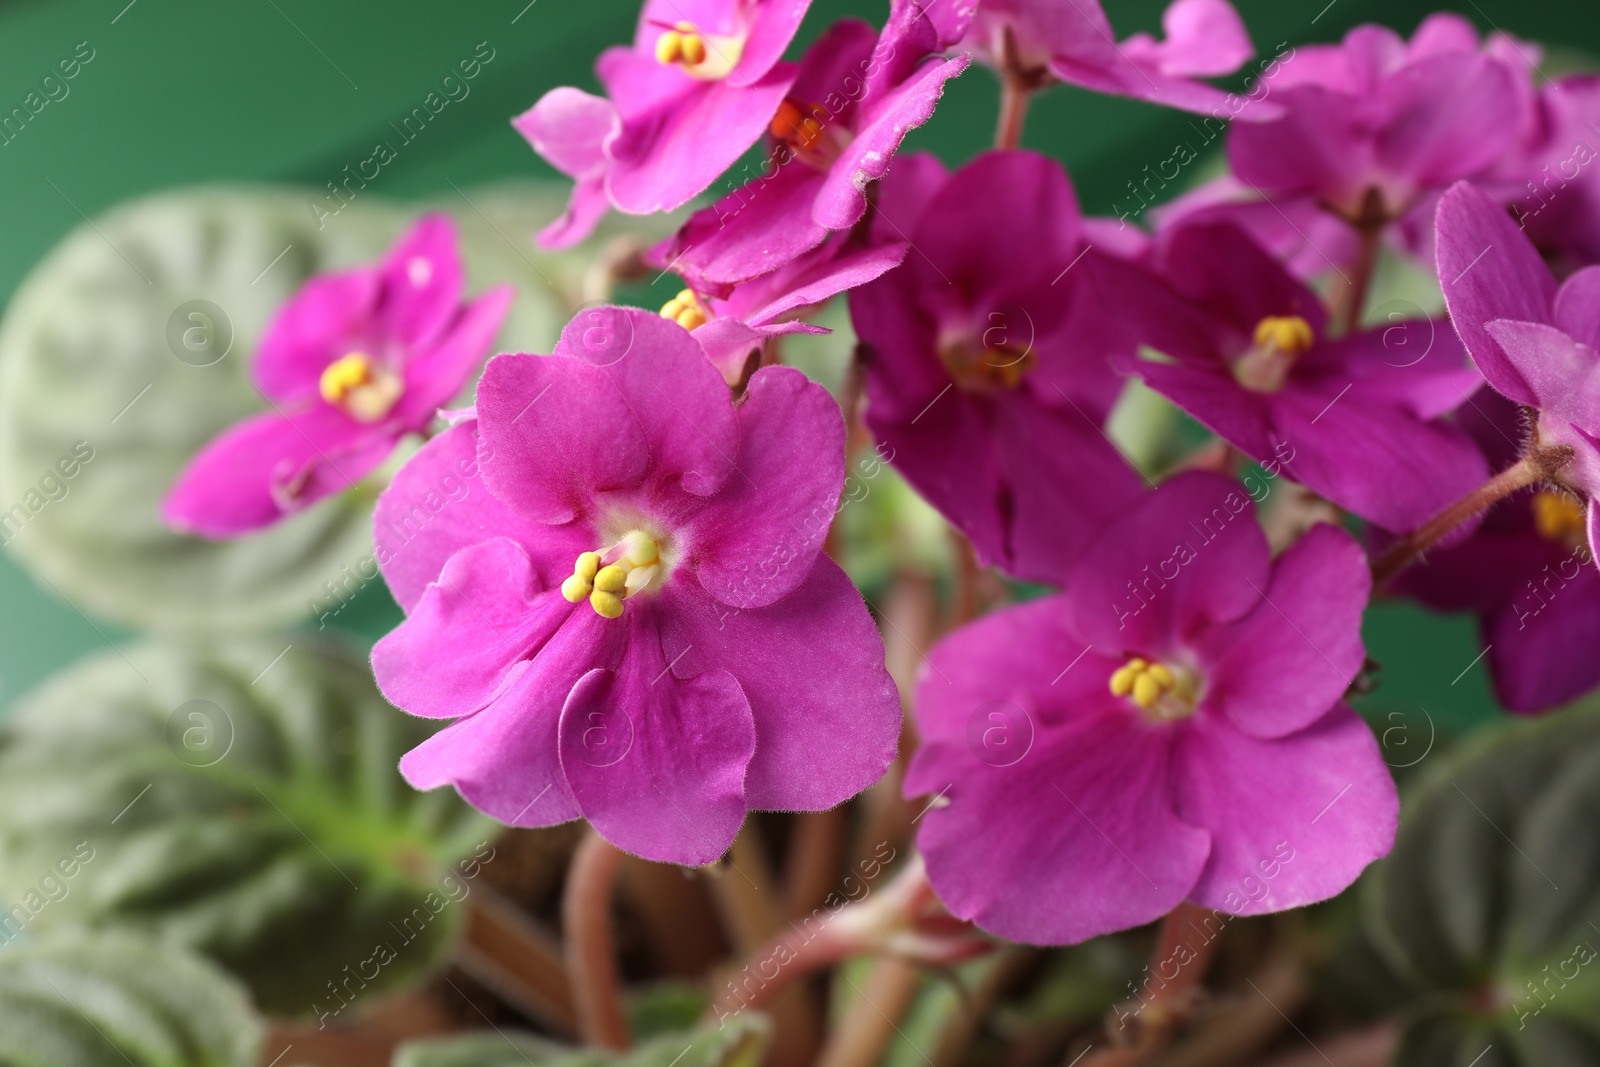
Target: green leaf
pixel 242 802
pixel 1490 902
pixel 126 350
pixel 115 1001
pixel 740 1043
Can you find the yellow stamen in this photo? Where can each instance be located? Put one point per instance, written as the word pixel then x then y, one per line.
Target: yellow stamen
pixel 1558 517
pixel 360 386
pixel 1279 340
pixel 985 370
pixel 1287 333
pixel 606 605
pixel 1155 687
pixel 669 48
pixel 612 579
pixel 686 310
pixel 608 578
pixel 685 46
pixel 343 375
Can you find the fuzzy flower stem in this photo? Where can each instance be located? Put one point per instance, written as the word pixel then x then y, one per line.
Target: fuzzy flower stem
pixel 1184 928
pixel 1540 464
pixel 1016 88
pixel 591 949
pixel 1369 226
pixel 1015 93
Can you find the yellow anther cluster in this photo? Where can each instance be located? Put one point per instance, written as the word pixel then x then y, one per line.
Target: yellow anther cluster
pixel 1145 682
pixel 1279 340
pixel 358 385
pixel 635 561
pixel 686 310
pixel 1006 368
pixel 1289 334
pixel 682 45
pixel 1558 517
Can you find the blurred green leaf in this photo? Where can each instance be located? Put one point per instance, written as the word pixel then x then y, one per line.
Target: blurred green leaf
pixel 740 1043
pixel 1490 902
pixel 241 802
pixel 113 1001
pixel 666 1007
pixel 126 350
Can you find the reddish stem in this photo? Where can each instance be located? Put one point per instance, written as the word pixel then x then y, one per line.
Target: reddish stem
pixel 1015 92
pixel 591 949
pixel 1540 464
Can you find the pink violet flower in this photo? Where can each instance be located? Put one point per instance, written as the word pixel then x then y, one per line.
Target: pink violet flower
pixel 1169 728
pixel 1525 573
pixel 1372 131
pixel 699 86
pixel 1537 343
pixel 635 624
pixel 988 371
pixel 1554 192
pixel 1072 41
pixel 355 361
pixel 733 327
pixel 1354 418
pixel 856 97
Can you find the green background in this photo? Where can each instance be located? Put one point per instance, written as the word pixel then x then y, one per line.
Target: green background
pixel 183 92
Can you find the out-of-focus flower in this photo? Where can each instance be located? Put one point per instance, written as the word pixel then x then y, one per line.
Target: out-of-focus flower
pixel 1372 131
pixel 352 363
pixel 1071 40
pixel 1554 189
pixel 1354 418
pixel 1536 343
pixel 699 86
pixel 1525 573
pixel 988 357
pixel 634 624
pixel 857 96
pixel 1175 731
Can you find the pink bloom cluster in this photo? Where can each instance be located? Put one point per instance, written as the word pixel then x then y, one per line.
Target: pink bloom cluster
pixel 630 617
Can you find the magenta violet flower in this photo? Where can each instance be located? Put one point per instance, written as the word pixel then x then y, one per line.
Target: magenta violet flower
pixel 1554 189
pixel 699 86
pixel 634 624
pixel 1376 127
pixel 988 370
pixel 1354 418
pixel 1170 728
pixel 354 362
pixel 857 95
pixel 1536 343
pixel 1071 41
pixel 731 328
pixel 1526 573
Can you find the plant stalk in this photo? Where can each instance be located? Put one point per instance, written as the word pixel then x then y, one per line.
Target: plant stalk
pixel 591 948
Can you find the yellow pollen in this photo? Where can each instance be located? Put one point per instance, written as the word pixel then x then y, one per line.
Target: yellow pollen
pixel 344 375
pixel 1154 686
pixel 1279 340
pixel 606 605
pixel 360 386
pixel 1558 517
pixel 686 310
pixel 984 370
pixel 1289 334
pixel 608 578
pixel 681 45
